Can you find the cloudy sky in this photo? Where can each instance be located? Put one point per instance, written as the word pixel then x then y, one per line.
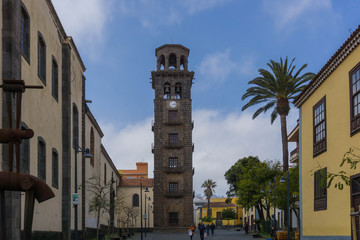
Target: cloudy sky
pixel 229 40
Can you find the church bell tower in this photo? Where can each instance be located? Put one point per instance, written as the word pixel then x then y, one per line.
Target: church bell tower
pixel 173 146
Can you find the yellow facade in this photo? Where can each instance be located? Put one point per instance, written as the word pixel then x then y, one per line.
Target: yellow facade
pixel 217 210
pixel 335 88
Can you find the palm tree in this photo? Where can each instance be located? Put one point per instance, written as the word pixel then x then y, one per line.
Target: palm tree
pixel 276 89
pixel 209 186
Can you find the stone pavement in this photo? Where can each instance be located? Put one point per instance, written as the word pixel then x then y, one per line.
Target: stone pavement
pixel 218 235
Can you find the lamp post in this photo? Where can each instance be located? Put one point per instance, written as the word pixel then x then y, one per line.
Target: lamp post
pixel 75 195
pixel 145 215
pixel 141 209
pixel 282 180
pixel 273 187
pixel 149 213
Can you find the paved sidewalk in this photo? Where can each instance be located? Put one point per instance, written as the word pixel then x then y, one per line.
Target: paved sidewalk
pixel 218 235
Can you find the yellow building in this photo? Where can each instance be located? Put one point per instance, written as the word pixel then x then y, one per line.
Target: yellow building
pixel 329 126
pixel 217 205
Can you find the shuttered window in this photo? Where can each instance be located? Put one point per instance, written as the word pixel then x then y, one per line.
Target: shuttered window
pixel 355 99
pixel 319 121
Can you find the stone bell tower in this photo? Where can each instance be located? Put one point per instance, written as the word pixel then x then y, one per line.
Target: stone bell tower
pixel 173 146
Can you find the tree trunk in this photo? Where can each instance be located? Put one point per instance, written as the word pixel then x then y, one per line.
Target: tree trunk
pixel 98 224
pixel 208 210
pixel 284 143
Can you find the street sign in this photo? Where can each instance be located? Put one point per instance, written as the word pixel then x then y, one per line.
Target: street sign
pixel 75 198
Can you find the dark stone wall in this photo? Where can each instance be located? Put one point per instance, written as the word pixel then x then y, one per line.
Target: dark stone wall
pixel 163 203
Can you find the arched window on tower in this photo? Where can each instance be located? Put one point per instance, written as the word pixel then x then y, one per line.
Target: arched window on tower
pixel 135 200
pixel 161 62
pixel 182 63
pixel 172 61
pixel 167 91
pixel 178 90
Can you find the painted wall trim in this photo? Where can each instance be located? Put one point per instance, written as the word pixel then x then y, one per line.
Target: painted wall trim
pixel 300 172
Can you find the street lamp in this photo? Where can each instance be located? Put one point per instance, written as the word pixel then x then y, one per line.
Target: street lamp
pixel 141 211
pixel 145 210
pixel 149 213
pixel 282 180
pixel 272 186
pixel 75 195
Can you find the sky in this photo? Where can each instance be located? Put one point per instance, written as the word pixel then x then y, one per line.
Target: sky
pixel 229 40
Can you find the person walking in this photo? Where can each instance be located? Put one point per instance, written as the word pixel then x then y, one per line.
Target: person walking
pixel 212 227
pixel 191 231
pixel 201 231
pixel 208 229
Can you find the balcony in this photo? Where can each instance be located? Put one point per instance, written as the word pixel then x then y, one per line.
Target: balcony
pixel 152 148
pixel 177 169
pixel 175 144
pixel 193 147
pixel 174 194
pixel 294 156
pixel 152 125
pixel 173 122
pixel 193 171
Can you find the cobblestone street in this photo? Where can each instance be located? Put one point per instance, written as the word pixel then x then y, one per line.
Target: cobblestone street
pixel 218 235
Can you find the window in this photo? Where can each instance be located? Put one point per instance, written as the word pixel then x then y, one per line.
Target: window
pixel 172 61
pixel 178 90
pixel 25 34
pixel 92 147
pixel 320 190
pixel 135 200
pixel 172 115
pixel 55 79
pixel 75 126
pixel 55 169
pixel 355 99
pixel 41 159
pixel 167 91
pixel 173 162
pixel 42 59
pixel 104 173
pixel 319 117
pixel 173 218
pixel 173 187
pixel 173 138
pixel 25 154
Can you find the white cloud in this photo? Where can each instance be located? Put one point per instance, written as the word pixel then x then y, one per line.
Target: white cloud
pixel 287 12
pixel 85 21
pixel 154 13
pixel 220 140
pixel 215 68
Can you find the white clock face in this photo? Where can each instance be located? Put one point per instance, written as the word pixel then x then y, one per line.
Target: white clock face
pixel 172 104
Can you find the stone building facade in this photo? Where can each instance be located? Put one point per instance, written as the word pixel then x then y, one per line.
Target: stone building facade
pixel 173 147
pixel 36 49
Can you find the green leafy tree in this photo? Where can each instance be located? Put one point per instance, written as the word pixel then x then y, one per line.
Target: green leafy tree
pixel 253 185
pixel 280 192
pixel 228 214
pixel 209 189
pixel 275 89
pixel 232 175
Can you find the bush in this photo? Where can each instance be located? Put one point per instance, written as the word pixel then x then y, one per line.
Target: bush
pixel 207 219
